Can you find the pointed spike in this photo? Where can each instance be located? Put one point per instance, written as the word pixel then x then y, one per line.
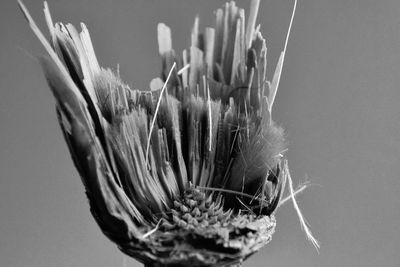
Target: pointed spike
pixel 59 67
pixel 254 5
pixel 275 81
pixel 279 66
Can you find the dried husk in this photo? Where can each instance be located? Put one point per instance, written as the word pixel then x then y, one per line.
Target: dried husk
pixel 190 170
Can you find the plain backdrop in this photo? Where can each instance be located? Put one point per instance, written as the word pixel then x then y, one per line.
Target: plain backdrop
pixel 338 101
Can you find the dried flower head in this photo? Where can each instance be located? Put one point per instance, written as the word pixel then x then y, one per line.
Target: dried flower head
pixel 190 170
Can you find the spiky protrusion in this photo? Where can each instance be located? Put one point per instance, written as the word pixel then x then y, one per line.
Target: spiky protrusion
pixel 190 171
pixel 199 231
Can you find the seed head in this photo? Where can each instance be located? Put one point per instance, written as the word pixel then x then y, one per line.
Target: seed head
pixel 190 170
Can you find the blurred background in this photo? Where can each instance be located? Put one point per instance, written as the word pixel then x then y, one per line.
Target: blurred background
pixel 338 100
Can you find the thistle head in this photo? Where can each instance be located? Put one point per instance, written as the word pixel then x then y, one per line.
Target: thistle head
pixel 190 169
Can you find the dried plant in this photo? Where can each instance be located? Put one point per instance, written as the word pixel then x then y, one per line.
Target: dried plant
pixel 190 171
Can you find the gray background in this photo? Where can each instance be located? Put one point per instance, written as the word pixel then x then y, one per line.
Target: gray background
pixel 338 100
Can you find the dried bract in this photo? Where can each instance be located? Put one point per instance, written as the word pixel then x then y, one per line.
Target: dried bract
pixel 191 169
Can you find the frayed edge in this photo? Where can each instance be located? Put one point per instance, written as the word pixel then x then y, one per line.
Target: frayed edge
pixel 303 222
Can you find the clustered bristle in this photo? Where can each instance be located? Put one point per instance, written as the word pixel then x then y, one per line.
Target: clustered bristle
pixel 197 212
pixel 198 231
pixel 212 125
pixel 187 152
